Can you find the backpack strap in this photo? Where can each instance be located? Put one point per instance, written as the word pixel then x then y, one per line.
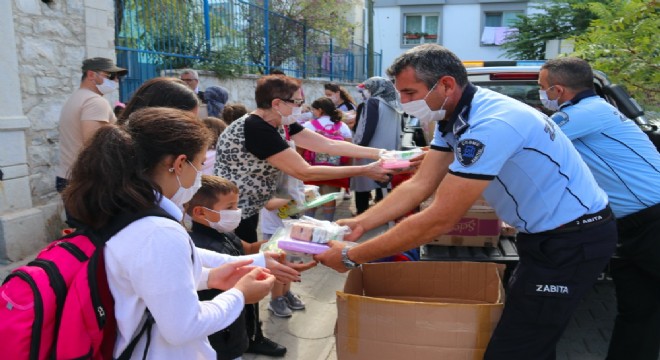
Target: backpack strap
pixel 317 125
pixel 146 327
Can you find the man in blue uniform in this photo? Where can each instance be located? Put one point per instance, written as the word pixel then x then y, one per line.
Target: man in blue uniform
pixel 526 168
pixel 627 166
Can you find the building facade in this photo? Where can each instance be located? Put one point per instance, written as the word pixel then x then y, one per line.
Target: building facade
pixel 472 29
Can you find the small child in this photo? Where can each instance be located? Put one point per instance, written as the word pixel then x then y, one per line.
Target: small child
pixel 215 215
pixel 283 301
pixel 217 126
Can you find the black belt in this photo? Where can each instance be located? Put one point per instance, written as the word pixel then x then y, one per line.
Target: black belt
pixel 584 222
pixel 640 218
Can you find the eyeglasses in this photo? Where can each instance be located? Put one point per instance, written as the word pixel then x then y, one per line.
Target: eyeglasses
pixel 297 102
pixel 188 80
pixel 109 76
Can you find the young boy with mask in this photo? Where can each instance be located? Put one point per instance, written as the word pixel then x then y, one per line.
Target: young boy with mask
pixel 215 215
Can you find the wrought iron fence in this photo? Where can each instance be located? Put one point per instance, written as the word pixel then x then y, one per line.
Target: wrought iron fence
pixel 230 37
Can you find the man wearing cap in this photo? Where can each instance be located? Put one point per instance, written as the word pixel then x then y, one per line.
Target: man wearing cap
pixel 85 112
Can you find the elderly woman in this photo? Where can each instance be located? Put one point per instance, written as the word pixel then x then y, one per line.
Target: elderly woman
pixel 253 151
pixel 378 126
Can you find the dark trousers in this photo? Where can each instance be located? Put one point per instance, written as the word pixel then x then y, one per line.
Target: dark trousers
pixel 362 199
pixel 247 231
pixel 636 275
pixel 555 271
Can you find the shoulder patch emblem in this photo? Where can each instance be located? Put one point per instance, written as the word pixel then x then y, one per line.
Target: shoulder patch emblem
pixel 560 118
pixel 469 151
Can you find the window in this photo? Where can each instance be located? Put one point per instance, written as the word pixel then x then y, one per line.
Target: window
pixel 497 22
pixel 420 28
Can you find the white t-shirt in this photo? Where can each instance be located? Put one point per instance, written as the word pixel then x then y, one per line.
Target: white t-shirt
pixel 82 105
pixel 325 121
pixel 269 221
pixel 152 263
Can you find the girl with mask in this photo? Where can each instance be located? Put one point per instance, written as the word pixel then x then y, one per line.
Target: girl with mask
pixel 379 126
pixel 153 269
pixel 256 149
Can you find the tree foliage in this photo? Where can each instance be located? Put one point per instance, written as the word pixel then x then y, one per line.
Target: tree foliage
pixel 623 43
pixel 558 19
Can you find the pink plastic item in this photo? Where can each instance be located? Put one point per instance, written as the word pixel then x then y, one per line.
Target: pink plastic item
pixel 302 246
pixel 395 164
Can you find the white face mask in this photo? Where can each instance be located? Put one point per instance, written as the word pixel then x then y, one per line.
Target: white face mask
pixel 296 116
pixel 552 105
pixel 229 220
pixel 421 110
pixel 183 195
pixel 107 87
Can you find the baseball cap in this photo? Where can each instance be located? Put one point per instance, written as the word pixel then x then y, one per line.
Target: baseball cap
pixel 103 64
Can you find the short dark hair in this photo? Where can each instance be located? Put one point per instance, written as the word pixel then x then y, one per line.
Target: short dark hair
pixel 113 174
pixel 571 72
pixel 271 87
pixel 233 112
pixel 431 62
pixel 161 92
pixel 217 126
pixel 213 187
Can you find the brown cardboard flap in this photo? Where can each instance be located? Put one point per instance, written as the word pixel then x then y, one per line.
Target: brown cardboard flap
pixel 479 281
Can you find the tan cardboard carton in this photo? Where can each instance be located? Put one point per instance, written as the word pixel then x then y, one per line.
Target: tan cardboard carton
pixel 480 226
pixel 419 310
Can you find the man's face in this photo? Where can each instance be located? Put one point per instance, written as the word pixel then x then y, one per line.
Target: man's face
pixel 190 80
pixel 410 88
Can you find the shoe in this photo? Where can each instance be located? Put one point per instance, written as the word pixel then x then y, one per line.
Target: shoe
pixel 267 347
pixel 280 307
pixel 294 301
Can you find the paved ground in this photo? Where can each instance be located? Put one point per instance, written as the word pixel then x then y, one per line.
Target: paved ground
pixel 309 334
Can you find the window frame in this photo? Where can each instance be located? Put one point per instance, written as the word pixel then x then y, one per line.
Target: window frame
pixel 423 11
pixel 498 8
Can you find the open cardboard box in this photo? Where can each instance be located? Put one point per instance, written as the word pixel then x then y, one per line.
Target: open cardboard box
pixel 419 310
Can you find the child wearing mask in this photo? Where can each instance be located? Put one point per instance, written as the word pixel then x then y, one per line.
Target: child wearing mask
pixel 214 213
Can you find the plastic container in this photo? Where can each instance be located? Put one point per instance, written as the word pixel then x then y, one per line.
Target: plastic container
pixel 395 164
pixel 302 246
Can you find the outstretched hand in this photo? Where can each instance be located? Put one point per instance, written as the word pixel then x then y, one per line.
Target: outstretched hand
pixel 226 275
pixel 255 285
pixel 283 273
pixel 356 229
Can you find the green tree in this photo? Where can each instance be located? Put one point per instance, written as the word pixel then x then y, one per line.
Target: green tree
pixel 558 19
pixel 623 43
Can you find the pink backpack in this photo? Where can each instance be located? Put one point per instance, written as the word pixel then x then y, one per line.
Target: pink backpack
pixel 331 132
pixel 59 305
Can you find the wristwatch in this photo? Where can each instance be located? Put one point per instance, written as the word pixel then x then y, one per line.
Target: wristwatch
pixel 350 264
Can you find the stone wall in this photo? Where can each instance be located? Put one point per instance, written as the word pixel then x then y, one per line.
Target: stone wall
pixel 43 50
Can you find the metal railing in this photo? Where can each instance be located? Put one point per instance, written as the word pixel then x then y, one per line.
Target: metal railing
pixel 231 37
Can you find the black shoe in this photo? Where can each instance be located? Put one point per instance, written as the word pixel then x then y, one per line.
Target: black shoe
pixel 267 347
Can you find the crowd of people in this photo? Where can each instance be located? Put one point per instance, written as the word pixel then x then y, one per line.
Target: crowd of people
pixel 575 185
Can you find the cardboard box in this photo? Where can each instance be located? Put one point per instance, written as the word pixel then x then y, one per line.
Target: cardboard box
pixel 419 310
pixel 480 226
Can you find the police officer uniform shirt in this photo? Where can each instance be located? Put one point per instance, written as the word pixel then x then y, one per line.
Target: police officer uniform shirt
pixel 538 180
pixel 600 132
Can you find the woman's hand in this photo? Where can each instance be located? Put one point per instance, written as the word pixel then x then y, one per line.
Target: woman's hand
pixel 283 273
pixel 226 275
pixel 255 285
pixel 376 172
